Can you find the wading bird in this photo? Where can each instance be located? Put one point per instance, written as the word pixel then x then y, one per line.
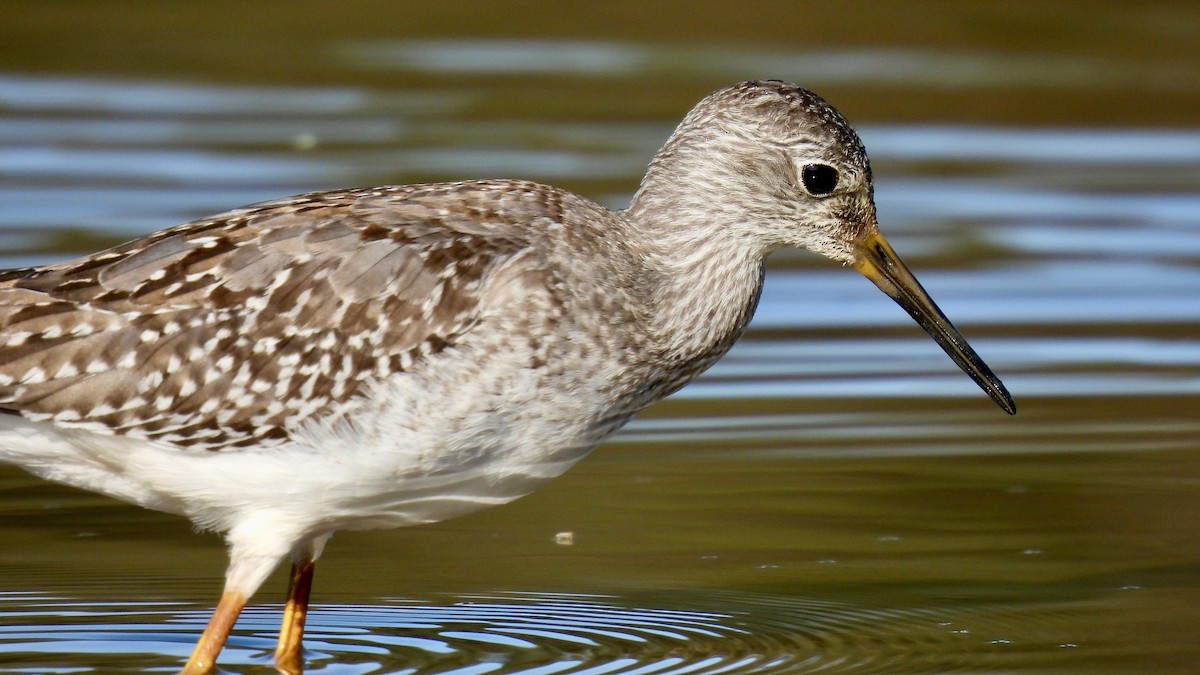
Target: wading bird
pixel 387 356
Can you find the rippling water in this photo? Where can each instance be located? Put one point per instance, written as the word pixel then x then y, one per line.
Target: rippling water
pixel 542 634
pixel 834 496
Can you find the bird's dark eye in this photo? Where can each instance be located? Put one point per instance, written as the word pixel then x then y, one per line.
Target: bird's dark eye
pixel 819 179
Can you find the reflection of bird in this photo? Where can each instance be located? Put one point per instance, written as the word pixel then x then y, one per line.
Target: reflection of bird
pixel 388 356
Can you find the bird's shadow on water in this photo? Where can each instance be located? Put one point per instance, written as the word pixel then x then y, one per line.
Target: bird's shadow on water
pixel 534 634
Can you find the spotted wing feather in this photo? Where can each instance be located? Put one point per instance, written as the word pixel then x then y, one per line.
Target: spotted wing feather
pixel 232 331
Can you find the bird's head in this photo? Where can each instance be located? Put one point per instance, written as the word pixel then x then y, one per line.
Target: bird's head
pixel 766 164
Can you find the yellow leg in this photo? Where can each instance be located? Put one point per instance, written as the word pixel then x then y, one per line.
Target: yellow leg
pixel 204 657
pixel 288 657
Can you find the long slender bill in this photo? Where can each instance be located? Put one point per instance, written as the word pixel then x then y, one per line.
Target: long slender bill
pixel 879 263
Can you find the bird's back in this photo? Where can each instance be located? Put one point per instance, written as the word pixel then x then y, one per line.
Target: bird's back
pixel 234 330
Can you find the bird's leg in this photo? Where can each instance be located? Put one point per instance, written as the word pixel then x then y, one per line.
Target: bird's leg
pixel 256 545
pixel 204 656
pixel 288 657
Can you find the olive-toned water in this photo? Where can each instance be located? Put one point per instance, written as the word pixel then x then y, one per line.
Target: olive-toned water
pixel 834 496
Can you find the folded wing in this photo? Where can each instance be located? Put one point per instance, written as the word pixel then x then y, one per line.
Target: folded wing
pixel 234 330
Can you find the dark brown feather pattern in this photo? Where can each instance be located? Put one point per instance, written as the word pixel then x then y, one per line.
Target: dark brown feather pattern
pixel 233 330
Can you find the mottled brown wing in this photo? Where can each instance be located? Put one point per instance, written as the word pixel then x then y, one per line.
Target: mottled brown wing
pixel 232 331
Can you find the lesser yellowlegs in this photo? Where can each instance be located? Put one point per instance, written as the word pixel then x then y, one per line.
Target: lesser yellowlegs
pixel 387 356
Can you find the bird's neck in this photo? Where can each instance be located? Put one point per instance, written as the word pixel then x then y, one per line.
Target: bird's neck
pixel 689 216
pixel 702 290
